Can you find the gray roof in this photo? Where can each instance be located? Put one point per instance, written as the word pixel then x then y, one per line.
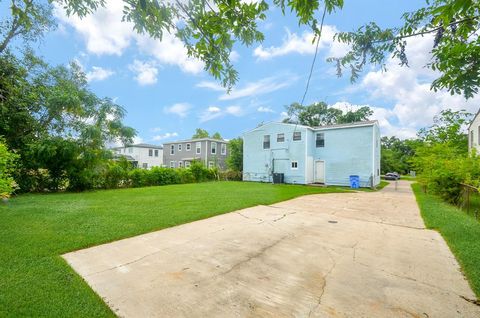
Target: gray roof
pixel 194 140
pixel 141 145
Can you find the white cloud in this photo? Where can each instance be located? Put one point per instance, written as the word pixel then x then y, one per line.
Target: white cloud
pixel 164 136
pixel 146 72
pixel 98 74
pixel 214 86
pixel 137 140
pixel 234 110
pixel 155 129
pixel 303 44
pixel 414 104
pixel 213 112
pixel 104 33
pixel 179 109
pixel 234 56
pixel 264 109
pixel 261 87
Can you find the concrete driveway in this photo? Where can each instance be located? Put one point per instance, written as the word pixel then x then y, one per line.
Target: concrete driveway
pixel 326 255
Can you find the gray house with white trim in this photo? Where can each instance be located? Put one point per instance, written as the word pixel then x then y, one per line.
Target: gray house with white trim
pixel 211 152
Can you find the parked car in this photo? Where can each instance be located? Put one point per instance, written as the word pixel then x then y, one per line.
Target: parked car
pixel 392 176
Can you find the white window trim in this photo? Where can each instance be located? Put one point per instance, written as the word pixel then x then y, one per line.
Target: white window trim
pixel 223 149
pixel 212 147
pixel 188 147
pixel 283 137
pixel 211 164
pixel 179 147
pixel 187 164
pixel 172 164
pixel 198 148
pixel 291 165
pixel 172 149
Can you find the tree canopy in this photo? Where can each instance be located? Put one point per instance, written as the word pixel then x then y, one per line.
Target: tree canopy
pixel 202 133
pixel 319 114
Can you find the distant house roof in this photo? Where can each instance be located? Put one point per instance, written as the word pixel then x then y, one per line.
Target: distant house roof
pixel 196 139
pixel 141 145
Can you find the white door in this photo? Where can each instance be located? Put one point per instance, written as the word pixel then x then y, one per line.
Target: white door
pixel 319 171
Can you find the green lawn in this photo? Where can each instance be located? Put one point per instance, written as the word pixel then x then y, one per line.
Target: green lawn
pixel 460 231
pixel 36 229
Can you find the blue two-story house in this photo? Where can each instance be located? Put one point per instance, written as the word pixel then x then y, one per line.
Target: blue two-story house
pixel 327 155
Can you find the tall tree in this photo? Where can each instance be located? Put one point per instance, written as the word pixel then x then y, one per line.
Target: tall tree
pixel 217 136
pixel 28 20
pixel 235 154
pixel 320 114
pixel 200 133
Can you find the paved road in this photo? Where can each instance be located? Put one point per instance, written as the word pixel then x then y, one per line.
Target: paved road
pixel 327 255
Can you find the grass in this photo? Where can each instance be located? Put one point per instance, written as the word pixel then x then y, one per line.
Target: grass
pixel 36 229
pixel 460 231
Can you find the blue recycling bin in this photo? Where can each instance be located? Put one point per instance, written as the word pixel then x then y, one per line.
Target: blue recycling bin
pixel 354 182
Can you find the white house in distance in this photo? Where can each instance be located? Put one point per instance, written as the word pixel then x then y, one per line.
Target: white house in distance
pixel 474 134
pixel 142 155
pixel 328 154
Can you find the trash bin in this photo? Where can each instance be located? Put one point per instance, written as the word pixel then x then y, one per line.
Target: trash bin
pixel 354 182
pixel 278 177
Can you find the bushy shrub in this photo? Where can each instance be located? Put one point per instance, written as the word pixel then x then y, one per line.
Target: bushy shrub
pixel 137 178
pixel 115 176
pixel 7 166
pixel 162 176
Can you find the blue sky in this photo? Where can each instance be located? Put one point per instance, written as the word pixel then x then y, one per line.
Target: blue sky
pixel 168 95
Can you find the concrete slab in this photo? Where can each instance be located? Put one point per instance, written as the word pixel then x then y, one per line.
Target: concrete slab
pixel 328 255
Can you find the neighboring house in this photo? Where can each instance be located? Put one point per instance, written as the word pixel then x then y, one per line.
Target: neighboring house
pixel 474 134
pixel 326 154
pixel 211 152
pixel 141 155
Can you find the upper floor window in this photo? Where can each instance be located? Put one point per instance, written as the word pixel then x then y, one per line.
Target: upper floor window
pixel 320 142
pixel 172 149
pixel 280 137
pixel 214 148
pixel 266 142
pixel 150 152
pixel 188 147
pixel 156 152
pixel 297 135
pixel 198 147
pixel 179 147
pixel 224 149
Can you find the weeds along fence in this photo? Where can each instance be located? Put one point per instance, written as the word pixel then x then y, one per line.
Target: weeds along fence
pixel 469 200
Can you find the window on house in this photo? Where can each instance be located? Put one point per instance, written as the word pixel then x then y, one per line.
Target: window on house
pixel 320 142
pixel 214 148
pixel 187 164
pixel 294 165
pixel 145 165
pixel 188 147
pixel 210 164
pixel 280 137
pixel 224 149
pixel 266 142
pixel 156 152
pixel 179 147
pixel 297 135
pixel 172 149
pixel 172 164
pixel 150 152
pixel 180 164
pixel 130 150
pixel 198 147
